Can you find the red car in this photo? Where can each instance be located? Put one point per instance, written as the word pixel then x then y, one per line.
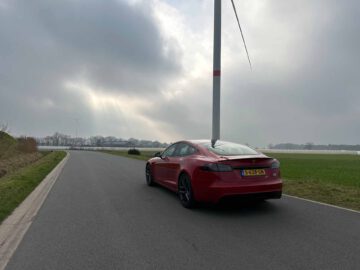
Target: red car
pixel 200 172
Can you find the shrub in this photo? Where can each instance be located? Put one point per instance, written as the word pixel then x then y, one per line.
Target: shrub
pixel 2 172
pixel 27 145
pixel 134 151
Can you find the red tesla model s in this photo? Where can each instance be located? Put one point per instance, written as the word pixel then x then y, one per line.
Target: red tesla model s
pixel 201 172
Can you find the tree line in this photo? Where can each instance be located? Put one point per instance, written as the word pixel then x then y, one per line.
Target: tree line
pixel 59 139
pixel 312 146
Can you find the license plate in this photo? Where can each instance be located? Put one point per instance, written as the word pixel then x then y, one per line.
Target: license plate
pixel 254 172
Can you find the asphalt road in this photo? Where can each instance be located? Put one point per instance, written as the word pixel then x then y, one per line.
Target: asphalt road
pixel 101 215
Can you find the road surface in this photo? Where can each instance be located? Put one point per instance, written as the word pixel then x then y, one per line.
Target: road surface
pixel 101 215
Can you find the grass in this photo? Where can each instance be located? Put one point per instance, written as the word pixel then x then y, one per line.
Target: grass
pixel 333 179
pixel 341 170
pixel 15 187
pixel 17 161
pixel 7 144
pixel 16 153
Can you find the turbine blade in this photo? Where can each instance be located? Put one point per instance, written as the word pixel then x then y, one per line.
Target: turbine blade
pixel 242 35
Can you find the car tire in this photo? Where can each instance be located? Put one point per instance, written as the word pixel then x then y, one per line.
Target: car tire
pixel 148 176
pixel 185 191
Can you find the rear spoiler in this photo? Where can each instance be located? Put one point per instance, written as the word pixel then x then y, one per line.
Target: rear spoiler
pixel 260 156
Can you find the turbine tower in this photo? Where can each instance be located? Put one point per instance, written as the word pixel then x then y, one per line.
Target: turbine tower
pixel 217 68
pixel 216 74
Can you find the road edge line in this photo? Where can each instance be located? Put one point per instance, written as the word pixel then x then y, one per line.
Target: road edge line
pixel 322 203
pixel 15 226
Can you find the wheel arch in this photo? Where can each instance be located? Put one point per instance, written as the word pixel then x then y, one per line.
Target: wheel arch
pixel 183 171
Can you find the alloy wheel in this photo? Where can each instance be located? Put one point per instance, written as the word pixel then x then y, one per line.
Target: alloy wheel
pixel 148 175
pixel 185 191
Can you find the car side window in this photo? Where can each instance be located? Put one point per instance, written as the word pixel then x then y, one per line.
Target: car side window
pixel 170 151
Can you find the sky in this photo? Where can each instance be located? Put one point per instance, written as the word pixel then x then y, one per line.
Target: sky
pixel 143 69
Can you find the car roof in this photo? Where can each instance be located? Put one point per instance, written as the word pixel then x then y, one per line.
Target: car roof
pixel 198 141
pixel 204 141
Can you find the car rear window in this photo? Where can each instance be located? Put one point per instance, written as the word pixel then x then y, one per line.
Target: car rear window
pixel 229 149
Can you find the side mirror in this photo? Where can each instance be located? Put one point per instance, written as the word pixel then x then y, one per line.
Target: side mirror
pixel 157 154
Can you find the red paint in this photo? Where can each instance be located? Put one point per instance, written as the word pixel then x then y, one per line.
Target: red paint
pixel 209 186
pixel 217 73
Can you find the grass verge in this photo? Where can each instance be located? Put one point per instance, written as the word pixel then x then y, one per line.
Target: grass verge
pixel 15 187
pixel 332 179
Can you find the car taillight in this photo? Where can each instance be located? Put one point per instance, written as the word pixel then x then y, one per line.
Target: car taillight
pixel 275 164
pixel 217 167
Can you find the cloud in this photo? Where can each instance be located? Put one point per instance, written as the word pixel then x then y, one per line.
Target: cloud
pixel 143 68
pixel 111 45
pixel 304 88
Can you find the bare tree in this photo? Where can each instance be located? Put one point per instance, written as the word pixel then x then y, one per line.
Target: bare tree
pixel 309 146
pixel 4 127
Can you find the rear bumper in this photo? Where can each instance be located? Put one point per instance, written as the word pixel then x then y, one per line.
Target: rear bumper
pixel 218 190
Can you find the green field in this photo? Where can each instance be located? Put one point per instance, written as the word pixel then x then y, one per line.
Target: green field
pixel 16 186
pixel 333 179
pixel 341 170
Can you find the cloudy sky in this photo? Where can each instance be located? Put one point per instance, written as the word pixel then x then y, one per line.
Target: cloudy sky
pixel 143 68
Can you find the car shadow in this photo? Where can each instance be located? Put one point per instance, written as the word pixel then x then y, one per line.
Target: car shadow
pixel 229 207
pixel 235 207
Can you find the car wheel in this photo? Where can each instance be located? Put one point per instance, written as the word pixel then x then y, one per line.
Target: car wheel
pixel 185 191
pixel 149 178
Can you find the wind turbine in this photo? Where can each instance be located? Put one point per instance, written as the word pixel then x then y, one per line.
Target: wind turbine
pixel 217 68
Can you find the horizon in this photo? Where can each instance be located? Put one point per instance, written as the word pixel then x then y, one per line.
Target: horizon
pixel 279 145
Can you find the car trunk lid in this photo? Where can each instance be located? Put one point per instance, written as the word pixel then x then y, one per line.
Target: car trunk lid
pixel 247 162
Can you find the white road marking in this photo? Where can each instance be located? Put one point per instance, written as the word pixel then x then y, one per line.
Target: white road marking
pixel 321 203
